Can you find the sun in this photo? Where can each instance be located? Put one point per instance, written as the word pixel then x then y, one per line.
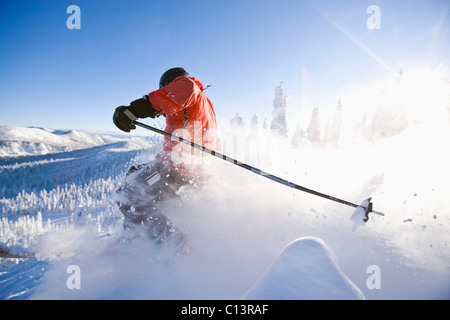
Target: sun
pixel 413 96
pixel 422 93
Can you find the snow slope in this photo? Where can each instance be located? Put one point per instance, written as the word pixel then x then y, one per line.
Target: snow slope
pixel 237 226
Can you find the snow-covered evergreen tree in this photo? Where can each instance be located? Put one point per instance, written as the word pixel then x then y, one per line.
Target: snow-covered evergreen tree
pixel 254 122
pixel 265 126
pixel 237 122
pixel 299 138
pixel 279 111
pixel 313 130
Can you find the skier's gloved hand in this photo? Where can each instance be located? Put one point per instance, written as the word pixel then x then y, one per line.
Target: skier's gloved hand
pixel 122 121
pixel 142 108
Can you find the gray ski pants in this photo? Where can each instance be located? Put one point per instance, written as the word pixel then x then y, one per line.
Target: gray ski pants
pixel 139 197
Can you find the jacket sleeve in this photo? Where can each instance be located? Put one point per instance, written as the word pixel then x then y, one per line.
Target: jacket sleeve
pixel 179 94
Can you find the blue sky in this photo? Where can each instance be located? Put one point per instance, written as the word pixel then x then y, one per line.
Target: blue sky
pixel 55 77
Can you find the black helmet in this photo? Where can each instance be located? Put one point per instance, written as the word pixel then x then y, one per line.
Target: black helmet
pixel 171 75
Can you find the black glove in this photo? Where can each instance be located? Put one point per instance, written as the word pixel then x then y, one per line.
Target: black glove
pixel 140 108
pixel 121 120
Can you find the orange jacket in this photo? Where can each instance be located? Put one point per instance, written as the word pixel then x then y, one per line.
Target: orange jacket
pixel 190 114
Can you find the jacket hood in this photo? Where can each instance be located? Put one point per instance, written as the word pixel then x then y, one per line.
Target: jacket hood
pixel 198 83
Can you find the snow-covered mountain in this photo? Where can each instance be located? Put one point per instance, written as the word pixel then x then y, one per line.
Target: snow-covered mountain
pixel 20 141
pixel 56 162
pixel 248 236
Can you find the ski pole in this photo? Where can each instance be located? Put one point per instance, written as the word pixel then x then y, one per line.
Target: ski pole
pixel 367 209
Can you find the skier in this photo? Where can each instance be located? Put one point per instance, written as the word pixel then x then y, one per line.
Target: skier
pixel 188 111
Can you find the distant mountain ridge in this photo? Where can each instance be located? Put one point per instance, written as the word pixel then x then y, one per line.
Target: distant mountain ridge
pixel 22 141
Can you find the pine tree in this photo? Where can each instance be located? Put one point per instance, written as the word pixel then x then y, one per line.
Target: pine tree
pixel 299 138
pixel 313 130
pixel 237 122
pixel 265 126
pixel 279 111
pixel 254 122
